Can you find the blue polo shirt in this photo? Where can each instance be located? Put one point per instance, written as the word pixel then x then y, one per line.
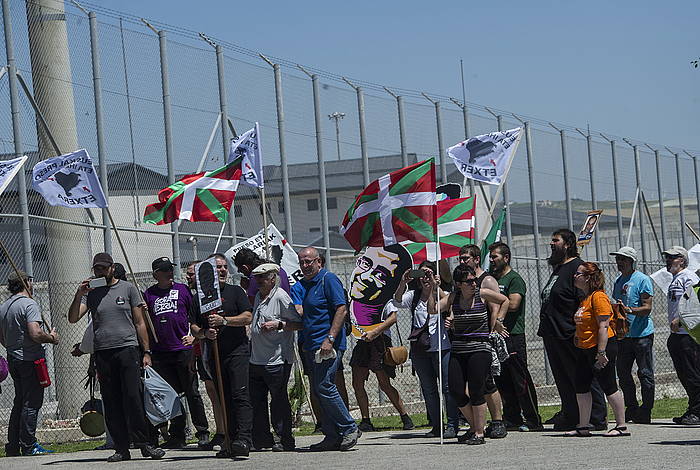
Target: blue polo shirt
pixel 320 297
pixel 629 289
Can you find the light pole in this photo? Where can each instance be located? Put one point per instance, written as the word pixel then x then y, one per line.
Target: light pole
pixel 337 117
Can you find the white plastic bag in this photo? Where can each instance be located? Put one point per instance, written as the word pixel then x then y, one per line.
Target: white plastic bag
pixel 689 313
pixel 159 399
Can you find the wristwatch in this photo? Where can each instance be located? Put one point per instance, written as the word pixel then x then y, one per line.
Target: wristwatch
pixel 331 339
pixel 148 351
pixel 225 321
pixel 499 320
pixel 280 325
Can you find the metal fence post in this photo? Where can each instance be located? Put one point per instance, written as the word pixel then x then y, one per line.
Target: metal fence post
pixel 402 130
pixel 565 169
pixel 618 210
pixel 640 216
pixel 17 138
pixel 441 146
pixel 591 175
pixel 697 183
pixel 681 207
pixel 99 124
pixel 225 136
pixel 662 218
pixel 321 166
pixel 283 154
pixel 167 121
pixel 363 133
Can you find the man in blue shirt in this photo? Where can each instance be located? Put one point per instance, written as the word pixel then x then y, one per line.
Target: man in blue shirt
pixel 324 310
pixel 633 291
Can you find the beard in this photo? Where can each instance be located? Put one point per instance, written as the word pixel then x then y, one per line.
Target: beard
pixel 557 257
pixel 497 268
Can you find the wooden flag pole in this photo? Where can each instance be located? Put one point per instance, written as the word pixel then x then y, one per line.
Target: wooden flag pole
pixel 24 281
pixel 220 390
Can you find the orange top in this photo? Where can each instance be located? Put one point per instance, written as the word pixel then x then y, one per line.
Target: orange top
pixel 595 305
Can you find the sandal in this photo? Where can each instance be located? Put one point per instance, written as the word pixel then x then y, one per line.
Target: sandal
pixel 618 431
pixel 583 431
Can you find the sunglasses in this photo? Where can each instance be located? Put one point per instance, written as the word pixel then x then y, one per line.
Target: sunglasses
pixel 466 281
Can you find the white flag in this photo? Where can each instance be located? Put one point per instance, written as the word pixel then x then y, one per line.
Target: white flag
pixel 248 146
pixel 486 157
pixel 69 180
pixel 8 170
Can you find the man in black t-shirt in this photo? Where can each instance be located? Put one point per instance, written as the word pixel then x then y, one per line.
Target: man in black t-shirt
pixel 560 300
pixel 227 325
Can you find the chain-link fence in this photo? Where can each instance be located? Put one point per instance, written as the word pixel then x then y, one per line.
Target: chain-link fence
pixel 146 101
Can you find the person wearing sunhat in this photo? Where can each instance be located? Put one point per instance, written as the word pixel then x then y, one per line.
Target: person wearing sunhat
pixel 633 291
pixel 271 358
pixel 684 351
pixel 170 308
pixel 120 328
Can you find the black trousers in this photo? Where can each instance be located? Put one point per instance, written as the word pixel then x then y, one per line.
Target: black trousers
pixel 29 396
pixel 239 412
pixel 562 360
pixel 271 381
pixel 119 372
pixel 468 373
pixel 516 386
pixel 175 368
pixel 685 354
pixel 641 351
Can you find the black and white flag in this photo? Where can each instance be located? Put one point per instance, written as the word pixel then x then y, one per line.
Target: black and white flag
pixel 248 146
pixel 8 170
pixel 69 180
pixel 486 157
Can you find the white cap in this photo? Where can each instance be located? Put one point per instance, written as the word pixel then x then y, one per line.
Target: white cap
pixel 265 268
pixel 626 251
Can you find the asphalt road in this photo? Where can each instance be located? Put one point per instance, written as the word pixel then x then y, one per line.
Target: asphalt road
pixel 660 445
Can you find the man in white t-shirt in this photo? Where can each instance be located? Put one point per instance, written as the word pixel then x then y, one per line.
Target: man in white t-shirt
pixel 684 351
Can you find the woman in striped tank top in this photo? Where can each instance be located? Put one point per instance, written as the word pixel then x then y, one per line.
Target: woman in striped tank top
pixel 470 361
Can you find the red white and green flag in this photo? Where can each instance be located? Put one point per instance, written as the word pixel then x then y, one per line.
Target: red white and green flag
pixel 396 208
pixel 202 197
pixel 456 220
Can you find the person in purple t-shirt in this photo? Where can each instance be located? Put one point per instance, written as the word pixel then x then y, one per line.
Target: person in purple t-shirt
pixel 246 260
pixel 169 306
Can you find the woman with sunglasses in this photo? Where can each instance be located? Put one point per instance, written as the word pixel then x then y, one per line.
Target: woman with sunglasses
pixel 470 361
pixel 596 351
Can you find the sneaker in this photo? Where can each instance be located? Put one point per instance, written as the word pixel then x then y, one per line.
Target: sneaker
pixel 366 425
pixel 349 440
pixel 36 449
pixel 432 433
pixel 642 416
pixel 174 443
pixel 203 442
pixel 328 443
pixel 119 456
pixel 529 427
pixel 407 422
pixel 278 447
pixel 511 426
pixel 690 420
pixel 678 419
pixel 475 440
pixel 217 440
pixel 239 448
pixel 223 454
pixel 465 437
pixel 450 433
pixel 554 419
pixel 156 453
pixel 495 430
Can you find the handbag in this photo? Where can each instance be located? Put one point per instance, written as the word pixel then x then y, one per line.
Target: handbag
pixel 396 355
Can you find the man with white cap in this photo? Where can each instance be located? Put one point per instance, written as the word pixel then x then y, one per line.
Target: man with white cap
pixel 271 357
pixel 684 351
pixel 633 291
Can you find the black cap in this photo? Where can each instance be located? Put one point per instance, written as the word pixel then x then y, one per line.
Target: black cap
pixel 102 259
pixel 162 264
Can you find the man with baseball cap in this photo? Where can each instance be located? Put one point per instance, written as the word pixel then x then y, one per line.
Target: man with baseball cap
pixel 684 351
pixel 170 307
pixel 633 291
pixel 271 357
pixel 119 325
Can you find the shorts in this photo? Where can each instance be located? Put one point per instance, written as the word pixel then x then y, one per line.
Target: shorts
pixel 203 374
pixel 371 355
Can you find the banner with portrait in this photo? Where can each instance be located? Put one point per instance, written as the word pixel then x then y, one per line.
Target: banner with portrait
pixel 589 226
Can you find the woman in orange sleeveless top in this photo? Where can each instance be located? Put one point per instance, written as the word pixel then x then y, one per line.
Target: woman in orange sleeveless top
pixel 596 351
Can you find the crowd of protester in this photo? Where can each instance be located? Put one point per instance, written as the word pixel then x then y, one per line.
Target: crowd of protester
pixel 467 343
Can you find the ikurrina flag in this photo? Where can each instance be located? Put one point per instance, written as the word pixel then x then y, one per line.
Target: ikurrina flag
pixel 397 207
pixel 456 219
pixel 202 197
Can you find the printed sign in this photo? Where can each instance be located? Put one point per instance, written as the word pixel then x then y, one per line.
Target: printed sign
pixel 281 252
pixel 373 283
pixel 208 290
pixel 586 234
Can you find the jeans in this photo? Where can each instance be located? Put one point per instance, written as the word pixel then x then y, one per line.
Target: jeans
pixel 271 381
pixel 119 372
pixel 337 421
pixel 174 367
pixel 640 350
pixel 29 396
pixel 685 354
pixel 427 366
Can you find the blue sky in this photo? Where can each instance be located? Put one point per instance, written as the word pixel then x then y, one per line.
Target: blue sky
pixel 624 67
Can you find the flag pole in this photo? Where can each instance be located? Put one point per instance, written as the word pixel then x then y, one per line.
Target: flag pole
pixel 133 276
pixel 634 212
pixel 439 323
pixel 221 234
pixel 264 213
